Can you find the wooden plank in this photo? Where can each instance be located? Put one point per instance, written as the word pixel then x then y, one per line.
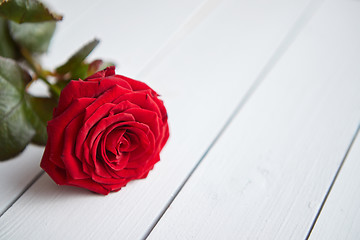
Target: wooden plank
pixel 267 176
pixel 201 81
pixel 340 216
pixel 127 40
pixel 131 33
pixel 17 173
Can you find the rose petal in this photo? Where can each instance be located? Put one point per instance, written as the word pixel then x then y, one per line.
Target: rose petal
pixel 99 166
pixel 113 141
pixel 147 117
pixel 81 151
pixel 55 129
pixel 142 99
pixel 105 161
pixel 75 90
pixel 108 181
pixel 115 164
pixel 107 97
pixel 99 128
pixel 146 142
pixel 137 85
pixel 122 106
pixel 72 164
pixel 56 173
pixel 109 71
pixel 89 184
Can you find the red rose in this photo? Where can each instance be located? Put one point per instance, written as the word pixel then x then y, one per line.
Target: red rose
pixel 106 131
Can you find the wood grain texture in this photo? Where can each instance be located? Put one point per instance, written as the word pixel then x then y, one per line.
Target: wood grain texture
pixel 340 216
pixel 201 80
pixel 17 173
pixel 267 176
pixel 124 37
pixel 131 33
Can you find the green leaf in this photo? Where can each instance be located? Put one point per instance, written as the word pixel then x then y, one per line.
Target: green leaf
pixel 26 11
pixel 7 45
pixel 76 59
pixel 42 113
pixel 35 37
pixel 15 130
pixel 80 71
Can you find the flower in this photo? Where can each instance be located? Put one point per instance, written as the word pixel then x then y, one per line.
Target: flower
pixel 106 131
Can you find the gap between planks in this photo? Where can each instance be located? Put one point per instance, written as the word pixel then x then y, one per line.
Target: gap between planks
pixel 37 176
pixel 299 24
pixel 333 183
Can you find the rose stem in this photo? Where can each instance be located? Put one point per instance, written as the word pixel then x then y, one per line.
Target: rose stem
pixel 40 73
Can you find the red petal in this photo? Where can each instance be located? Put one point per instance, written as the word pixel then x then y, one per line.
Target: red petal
pixel 56 129
pixel 73 165
pixel 147 117
pixel 109 71
pixel 89 184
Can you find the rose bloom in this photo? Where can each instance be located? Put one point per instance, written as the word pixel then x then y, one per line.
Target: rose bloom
pixel 106 131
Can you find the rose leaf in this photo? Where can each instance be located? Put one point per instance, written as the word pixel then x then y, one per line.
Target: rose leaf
pixel 42 109
pixel 35 37
pixel 7 45
pixel 15 130
pixel 76 59
pixel 26 11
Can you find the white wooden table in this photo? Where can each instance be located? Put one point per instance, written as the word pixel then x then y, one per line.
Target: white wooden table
pixel 264 110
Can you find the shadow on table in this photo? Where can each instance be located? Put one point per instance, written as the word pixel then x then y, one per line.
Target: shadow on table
pixel 47 188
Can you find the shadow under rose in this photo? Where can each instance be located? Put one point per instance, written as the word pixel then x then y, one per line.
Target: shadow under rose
pixel 31 183
pixel 46 188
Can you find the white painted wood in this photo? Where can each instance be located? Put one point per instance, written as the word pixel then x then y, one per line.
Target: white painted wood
pixel 201 80
pixel 340 216
pixel 131 33
pixel 124 38
pixel 266 177
pixel 17 173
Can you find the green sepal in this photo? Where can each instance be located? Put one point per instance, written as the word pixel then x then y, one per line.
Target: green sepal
pixel 80 71
pixel 76 60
